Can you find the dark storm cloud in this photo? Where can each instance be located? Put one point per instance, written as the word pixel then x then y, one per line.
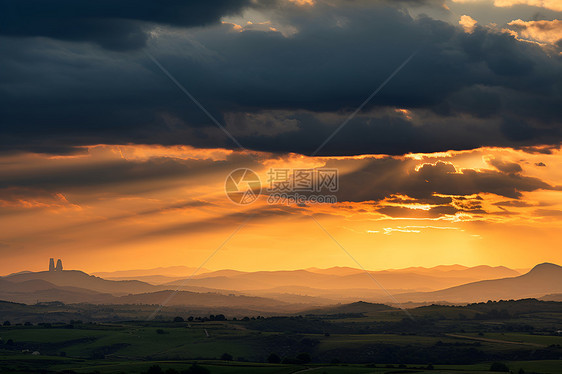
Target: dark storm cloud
pixel 117 176
pixel 382 179
pixel 505 166
pixel 112 24
pixel 514 204
pixel 230 221
pixel 286 92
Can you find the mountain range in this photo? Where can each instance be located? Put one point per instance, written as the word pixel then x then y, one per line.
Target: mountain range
pixel 286 291
pixel 414 279
pixel 154 275
pixel 543 279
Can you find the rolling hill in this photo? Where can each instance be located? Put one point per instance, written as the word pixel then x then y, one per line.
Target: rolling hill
pixel 37 290
pixel 169 271
pixel 195 299
pixel 290 290
pixel 79 279
pixel 413 279
pixel 358 307
pixel 543 279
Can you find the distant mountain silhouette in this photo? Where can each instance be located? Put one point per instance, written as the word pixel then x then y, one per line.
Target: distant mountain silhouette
pixel 152 279
pixel 26 286
pixel 543 279
pixel 19 272
pixel 32 291
pixel 552 297
pixel 194 299
pixel 290 290
pixel 356 307
pixel 414 279
pixel 169 271
pixel 75 278
pixel 37 290
pixel 219 273
pixel 480 272
pixel 337 270
pixel 262 279
pixel 55 286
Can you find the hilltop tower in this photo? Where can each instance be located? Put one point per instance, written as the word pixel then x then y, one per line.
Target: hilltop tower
pixel 52 264
pixel 59 265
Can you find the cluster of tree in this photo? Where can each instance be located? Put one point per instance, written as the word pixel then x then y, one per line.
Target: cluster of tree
pixel 499 367
pixel 212 317
pixel 218 317
pixel 8 323
pixel 515 307
pixel 301 358
pixel 193 369
pixel 8 343
pixel 245 319
pixel 494 314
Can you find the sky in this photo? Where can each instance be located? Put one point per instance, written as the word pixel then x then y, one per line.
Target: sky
pixel 120 123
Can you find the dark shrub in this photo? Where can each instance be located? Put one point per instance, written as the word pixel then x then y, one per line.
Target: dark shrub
pixel 196 369
pixel 273 359
pixel 304 358
pixel 154 369
pixel 499 367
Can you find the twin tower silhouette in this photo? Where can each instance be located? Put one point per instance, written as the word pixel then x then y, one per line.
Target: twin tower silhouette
pixel 52 265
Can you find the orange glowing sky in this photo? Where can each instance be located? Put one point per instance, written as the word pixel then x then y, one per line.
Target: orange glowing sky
pixel 123 207
pixel 83 177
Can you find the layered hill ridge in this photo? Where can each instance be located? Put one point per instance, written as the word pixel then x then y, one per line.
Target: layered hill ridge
pixel 291 289
pixel 76 278
pixel 168 271
pixel 338 278
pixel 543 279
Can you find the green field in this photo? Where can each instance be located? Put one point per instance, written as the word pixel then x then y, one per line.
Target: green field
pixel 450 339
pixel 26 364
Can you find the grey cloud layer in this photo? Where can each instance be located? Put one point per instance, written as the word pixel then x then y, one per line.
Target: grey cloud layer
pixel 382 178
pixel 396 181
pixel 112 24
pixel 283 93
pixel 387 183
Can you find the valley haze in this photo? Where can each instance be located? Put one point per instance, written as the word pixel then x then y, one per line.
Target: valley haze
pixel 285 291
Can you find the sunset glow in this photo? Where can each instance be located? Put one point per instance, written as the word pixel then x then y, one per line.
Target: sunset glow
pixel 287 186
pixel 172 199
